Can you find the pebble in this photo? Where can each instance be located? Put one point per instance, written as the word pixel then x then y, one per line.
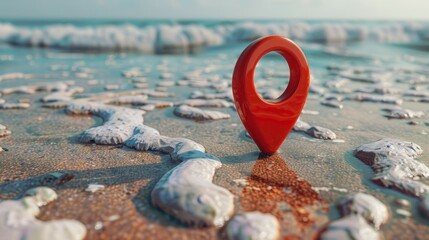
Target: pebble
pixel 314 131
pixel 253 226
pixel 141 85
pixel 394 165
pixel 24 100
pixel 166 76
pixel 402 202
pixel 351 227
pixel 98 225
pixel 6 106
pixel 4 132
pixel 133 72
pixel 362 97
pixel 332 103
pixel 321 133
pixel 310 112
pixel 63 95
pixel 369 207
pixel 205 95
pixel 139 80
pixel 185 111
pixel 338 83
pixel 92 82
pixel 18 219
pixel 113 218
pixel 366 77
pixel 111 87
pixel 317 90
pixel 128 99
pixel 361 218
pixel 14 76
pixel 403 212
pixel 165 84
pixel 401 113
pixel 215 103
pixel 92 187
pixel 242 182
pixel 149 107
pixel 155 94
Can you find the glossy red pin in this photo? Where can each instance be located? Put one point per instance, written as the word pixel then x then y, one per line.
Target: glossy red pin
pixel 269 123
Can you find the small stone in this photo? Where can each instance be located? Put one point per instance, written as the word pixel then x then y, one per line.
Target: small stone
pixel 42 195
pixel 6 106
pixel 395 166
pixel 4 133
pixel 98 225
pixel 402 202
pixel 111 87
pixel 24 100
pixel 401 113
pixel 314 131
pixel 253 226
pixel 141 85
pixel 350 227
pixel 369 207
pixel 148 107
pixel 113 218
pixel 18 219
pixel 92 82
pixel 240 182
pixel 310 112
pixel 199 114
pixel 403 212
pixel 94 187
pixel 332 103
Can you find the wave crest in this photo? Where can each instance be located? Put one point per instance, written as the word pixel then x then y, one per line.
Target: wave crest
pixel 186 38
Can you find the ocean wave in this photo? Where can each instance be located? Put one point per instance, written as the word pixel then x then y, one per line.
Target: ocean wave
pixel 176 38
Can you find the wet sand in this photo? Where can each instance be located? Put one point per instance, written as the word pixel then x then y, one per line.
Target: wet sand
pixel 310 175
pixel 43 141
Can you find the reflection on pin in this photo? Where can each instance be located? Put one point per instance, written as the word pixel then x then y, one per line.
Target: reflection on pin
pixel 269 123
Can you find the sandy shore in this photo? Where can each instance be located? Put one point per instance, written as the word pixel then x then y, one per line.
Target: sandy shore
pixel 43 141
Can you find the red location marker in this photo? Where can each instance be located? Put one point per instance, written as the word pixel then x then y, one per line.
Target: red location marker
pixel 269 123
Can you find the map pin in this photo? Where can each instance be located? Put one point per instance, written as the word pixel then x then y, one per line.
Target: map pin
pixel 269 123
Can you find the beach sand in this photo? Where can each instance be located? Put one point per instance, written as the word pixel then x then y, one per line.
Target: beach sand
pixel 300 185
pixel 44 141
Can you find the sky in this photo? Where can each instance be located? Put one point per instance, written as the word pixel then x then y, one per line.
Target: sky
pixel 216 9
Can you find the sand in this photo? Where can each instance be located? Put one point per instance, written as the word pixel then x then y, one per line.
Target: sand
pixel 45 141
pixel 299 186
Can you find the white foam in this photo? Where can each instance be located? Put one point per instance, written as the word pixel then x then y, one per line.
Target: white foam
pixel 253 225
pixel 184 38
pixel 17 219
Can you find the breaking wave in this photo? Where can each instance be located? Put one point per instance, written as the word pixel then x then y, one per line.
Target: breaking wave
pixel 177 38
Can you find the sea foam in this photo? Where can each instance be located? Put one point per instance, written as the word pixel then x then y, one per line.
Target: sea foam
pixel 177 38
